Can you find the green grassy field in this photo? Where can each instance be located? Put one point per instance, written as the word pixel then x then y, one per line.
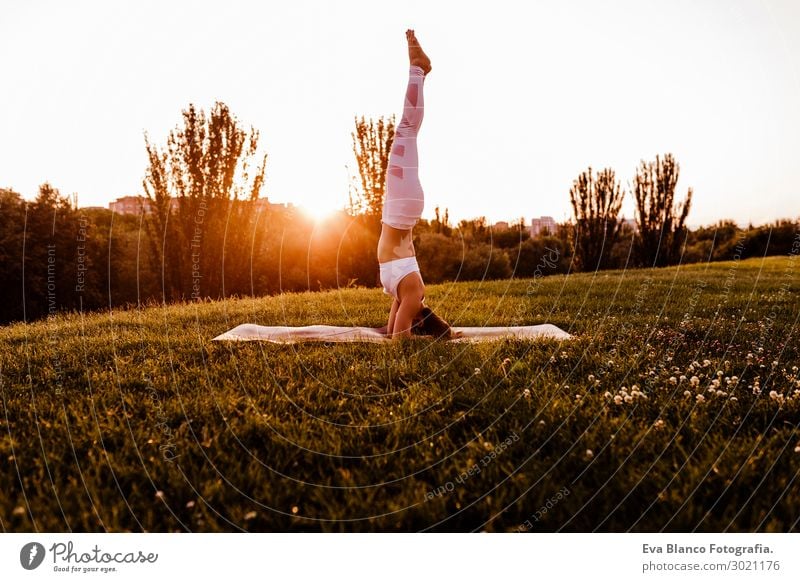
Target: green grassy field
pixel 675 408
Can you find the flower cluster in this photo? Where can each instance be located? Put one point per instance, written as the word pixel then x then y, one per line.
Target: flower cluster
pixel 704 381
pixel 625 396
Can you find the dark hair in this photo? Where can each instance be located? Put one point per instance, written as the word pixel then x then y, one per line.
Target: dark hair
pixel 428 323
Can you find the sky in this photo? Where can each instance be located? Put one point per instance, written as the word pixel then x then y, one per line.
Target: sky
pixel 522 98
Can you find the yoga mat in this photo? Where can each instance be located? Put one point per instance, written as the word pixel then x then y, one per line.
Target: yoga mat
pixel 330 333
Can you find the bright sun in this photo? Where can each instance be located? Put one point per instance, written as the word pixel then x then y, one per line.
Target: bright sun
pixel 318 212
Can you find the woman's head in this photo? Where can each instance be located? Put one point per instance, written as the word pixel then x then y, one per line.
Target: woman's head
pixel 428 323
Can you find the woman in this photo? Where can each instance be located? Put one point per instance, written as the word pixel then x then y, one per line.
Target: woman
pixel 402 208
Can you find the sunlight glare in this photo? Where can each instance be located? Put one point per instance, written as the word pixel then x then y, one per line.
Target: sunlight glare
pixel 318 212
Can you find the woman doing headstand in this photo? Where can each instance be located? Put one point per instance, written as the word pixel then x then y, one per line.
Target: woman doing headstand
pixel 402 208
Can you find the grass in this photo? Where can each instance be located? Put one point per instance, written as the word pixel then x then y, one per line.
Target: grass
pixel 134 420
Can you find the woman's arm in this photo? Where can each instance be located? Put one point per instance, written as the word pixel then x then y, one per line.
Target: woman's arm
pixel 406 312
pixel 411 291
pixel 392 318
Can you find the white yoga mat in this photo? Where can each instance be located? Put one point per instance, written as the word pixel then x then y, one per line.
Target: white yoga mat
pixel 330 333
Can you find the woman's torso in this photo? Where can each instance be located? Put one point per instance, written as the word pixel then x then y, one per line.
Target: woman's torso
pixel 395 244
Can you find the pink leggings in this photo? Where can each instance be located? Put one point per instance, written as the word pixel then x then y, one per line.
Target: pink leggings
pixel 405 199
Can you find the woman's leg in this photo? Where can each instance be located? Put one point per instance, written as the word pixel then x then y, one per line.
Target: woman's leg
pixel 405 199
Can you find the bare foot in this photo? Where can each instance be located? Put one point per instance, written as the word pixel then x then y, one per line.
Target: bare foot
pixel 415 54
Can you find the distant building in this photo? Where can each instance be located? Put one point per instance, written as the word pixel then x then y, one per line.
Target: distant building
pixel 540 224
pixel 502 225
pixel 129 205
pixel 262 204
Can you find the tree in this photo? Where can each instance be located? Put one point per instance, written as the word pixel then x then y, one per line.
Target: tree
pixel 441 223
pixel 540 256
pixel 50 247
pixel 372 142
pixel 596 204
pixel 439 256
pixel 475 229
pixel 12 231
pixel 482 262
pixel 511 237
pixel 211 168
pixel 662 222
